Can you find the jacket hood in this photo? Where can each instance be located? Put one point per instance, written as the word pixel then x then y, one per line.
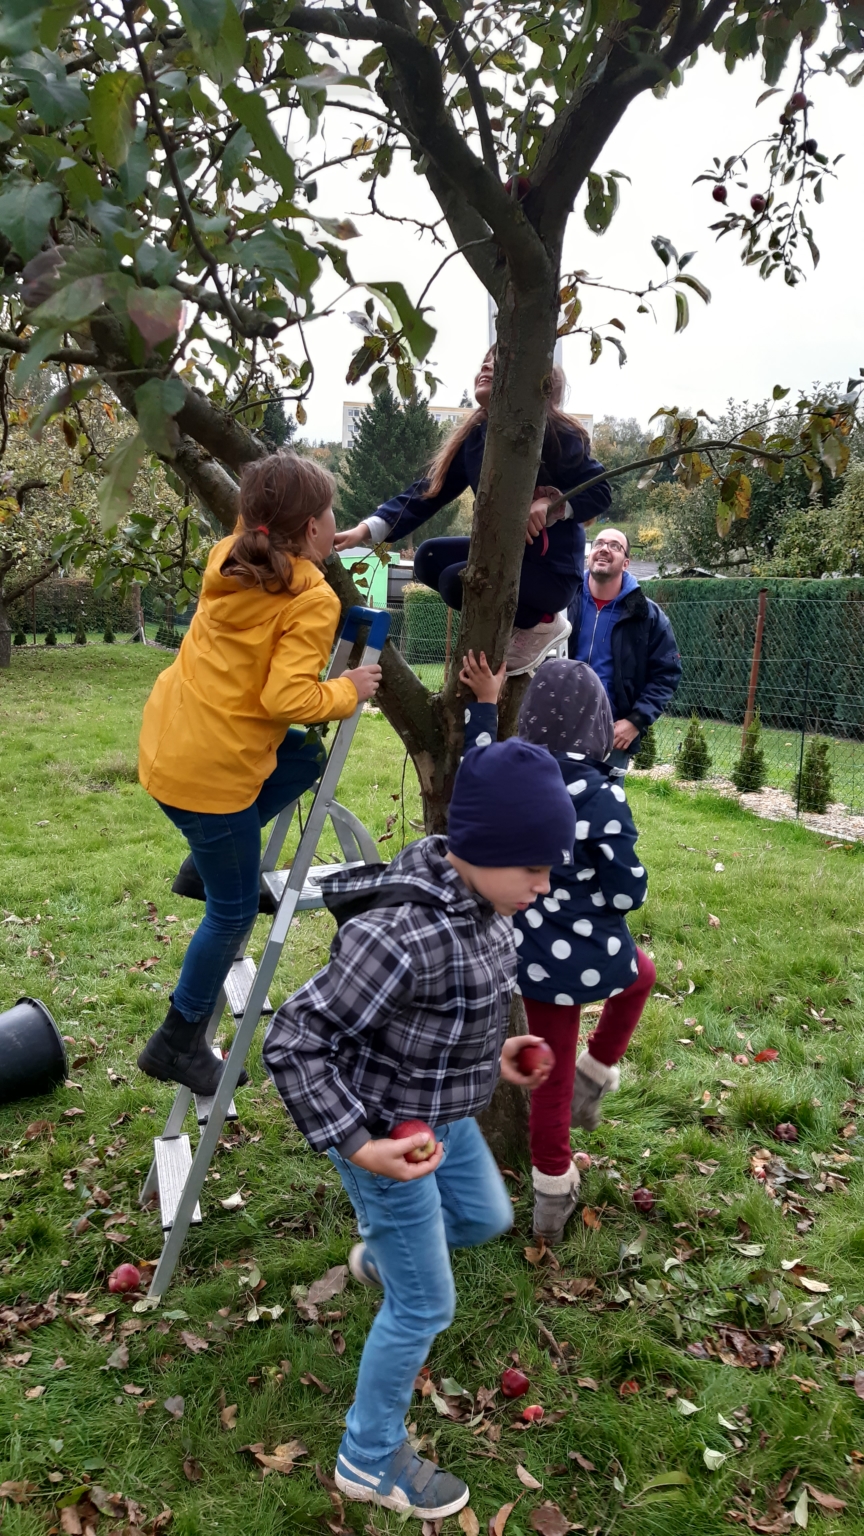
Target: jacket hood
pixel 241 607
pixel 421 873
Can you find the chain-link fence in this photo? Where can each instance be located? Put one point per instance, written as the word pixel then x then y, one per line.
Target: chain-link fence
pixel 801 667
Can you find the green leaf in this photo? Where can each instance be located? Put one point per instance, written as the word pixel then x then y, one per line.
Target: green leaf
pixel 778 392
pixel 71 303
pixel 19 27
pixel 237 151
pixel 682 311
pixel 156 402
pixel 685 1407
pixel 219 45
pixel 156 312
pixel 694 283
pixel 602 202
pixel 60 401
pixel 252 113
pixel 112 114
pixel 713 1459
pixel 115 489
pixel 26 210
pixel 56 98
pixel 801 1513
pixel 54 20
pixel 82 186
pixel 203 20
pixel 133 172
pixel 419 334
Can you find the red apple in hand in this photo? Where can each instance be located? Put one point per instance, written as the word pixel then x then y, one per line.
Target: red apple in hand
pixel 419 1154
pixel 124 1278
pixel 514 1383
pixel 532 1057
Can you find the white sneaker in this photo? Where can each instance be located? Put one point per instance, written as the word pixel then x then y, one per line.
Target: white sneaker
pixel 528 647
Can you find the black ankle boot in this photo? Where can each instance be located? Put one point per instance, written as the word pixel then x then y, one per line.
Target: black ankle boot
pixel 188 882
pixel 179 1053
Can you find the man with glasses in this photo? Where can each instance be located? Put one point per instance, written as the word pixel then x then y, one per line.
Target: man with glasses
pixel 627 640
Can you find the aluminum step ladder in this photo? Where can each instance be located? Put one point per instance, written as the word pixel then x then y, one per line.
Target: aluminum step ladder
pixel 176 1175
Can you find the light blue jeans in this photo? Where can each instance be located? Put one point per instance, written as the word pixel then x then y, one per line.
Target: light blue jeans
pixel 409 1229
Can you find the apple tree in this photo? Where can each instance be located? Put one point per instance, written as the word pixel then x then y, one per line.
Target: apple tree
pixel 163 174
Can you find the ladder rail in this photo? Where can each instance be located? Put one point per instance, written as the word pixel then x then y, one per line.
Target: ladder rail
pixel 378 624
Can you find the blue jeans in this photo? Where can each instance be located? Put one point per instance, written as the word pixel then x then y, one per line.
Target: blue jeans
pixel 226 850
pixel 409 1229
pixel 620 761
pixel 439 564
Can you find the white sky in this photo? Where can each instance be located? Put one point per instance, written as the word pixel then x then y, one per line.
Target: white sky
pixel 753 335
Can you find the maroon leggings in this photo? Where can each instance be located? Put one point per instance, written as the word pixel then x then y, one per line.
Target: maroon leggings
pixel 559 1027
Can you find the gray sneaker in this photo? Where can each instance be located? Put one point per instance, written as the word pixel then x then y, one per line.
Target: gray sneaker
pixel 528 647
pixel 363 1269
pixel 556 1197
pixel 592 1080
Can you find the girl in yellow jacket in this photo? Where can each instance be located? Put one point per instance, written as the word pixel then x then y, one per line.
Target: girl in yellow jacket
pixel 215 749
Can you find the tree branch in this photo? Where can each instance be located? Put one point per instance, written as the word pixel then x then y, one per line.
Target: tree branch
pixel 12 343
pixel 27 583
pixel 474 84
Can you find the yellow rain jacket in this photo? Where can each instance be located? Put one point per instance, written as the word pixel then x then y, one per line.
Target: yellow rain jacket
pixel 247 669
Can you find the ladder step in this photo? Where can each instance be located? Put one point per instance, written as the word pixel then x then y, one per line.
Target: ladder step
pixel 238 985
pixel 275 880
pixel 173 1162
pixel 204 1106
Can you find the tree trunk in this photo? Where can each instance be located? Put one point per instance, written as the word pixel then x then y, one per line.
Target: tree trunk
pixel 505 1122
pixel 5 635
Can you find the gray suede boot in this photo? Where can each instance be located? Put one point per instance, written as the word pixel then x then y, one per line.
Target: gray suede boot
pixel 555 1199
pixel 591 1082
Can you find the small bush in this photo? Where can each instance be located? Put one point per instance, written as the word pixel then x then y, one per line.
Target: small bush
pixel 693 759
pixel 815 790
pixel 109 637
pixel 50 638
pixel 80 636
pixel 20 637
pixel 646 757
pixel 749 773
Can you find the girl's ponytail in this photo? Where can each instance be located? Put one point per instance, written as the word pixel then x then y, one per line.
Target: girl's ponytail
pixel 278 496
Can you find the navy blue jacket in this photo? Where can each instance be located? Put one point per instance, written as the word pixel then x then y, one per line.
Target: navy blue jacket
pixel 565 464
pixel 574 946
pixel 646 666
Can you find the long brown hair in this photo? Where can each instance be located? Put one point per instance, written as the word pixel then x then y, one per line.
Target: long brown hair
pixel 558 424
pixel 278 497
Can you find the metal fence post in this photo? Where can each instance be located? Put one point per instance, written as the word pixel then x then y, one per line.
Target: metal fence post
pixel 803 733
pixel 754 666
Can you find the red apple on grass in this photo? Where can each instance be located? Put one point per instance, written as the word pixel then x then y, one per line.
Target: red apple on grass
pixel 532 1414
pixel 643 1200
pixel 514 1383
pixel 532 1057
pixel 124 1278
pixel 426 1150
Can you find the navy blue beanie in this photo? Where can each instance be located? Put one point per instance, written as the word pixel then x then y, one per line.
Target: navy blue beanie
pixel 510 807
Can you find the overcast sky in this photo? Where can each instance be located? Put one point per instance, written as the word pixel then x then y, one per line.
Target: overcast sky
pixel 753 335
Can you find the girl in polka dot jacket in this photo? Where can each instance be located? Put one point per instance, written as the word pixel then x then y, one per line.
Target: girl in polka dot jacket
pixel 574 945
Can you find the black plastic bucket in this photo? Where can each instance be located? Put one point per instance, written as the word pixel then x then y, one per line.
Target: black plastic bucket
pixel 32 1053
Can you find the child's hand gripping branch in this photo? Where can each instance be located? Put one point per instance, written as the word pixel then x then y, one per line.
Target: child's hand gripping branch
pixel 477 675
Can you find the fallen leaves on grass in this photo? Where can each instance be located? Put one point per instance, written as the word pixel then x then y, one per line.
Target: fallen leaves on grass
pixel 767 1055
pixel 174 1406
pixel 233 1202
pixel 588 1383
pixel 733 1346
pixel 628 1389
pixel 145 965
pixel 309 1380
pixel 192 1470
pixel 195 1345
pixel 582 1461
pixel 498 1522
pixel 468 1522
pixel 33 1392
pixel 713 1459
pixel 228 1416
pixel 591 1218
pixel 118 1359
pixel 329 1285
pixel 825 1500
pixel 526 1478
pixel 549 1520
pixel 39 1128
pixel 713 922
pixel 17 1360
pixel 19 1493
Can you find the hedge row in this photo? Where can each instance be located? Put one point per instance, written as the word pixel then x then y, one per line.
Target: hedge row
pixel 812 649
pixel 60 602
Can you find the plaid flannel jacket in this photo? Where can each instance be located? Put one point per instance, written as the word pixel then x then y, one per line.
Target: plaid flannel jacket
pixel 408 1018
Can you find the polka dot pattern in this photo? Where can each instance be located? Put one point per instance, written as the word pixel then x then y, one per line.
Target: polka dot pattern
pixel 598 898
pixel 563 1000
pixel 518 936
pixel 551 904
pixel 613 945
pixel 577 787
pixel 537 973
pixel 634 966
pixel 561 894
pixel 637 871
pixel 611 829
pixel 622 902
pixel 586 874
pixel 616 991
pixel 618 792
pixel 467 717
pixel 584 927
pixel 582 830
pixel 533 918
pixel 589 977
pixel 483 740
pixel 607 851
pixel 561 949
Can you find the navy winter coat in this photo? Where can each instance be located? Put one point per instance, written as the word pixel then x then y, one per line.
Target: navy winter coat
pixel 646 664
pixel 574 946
pixel 565 464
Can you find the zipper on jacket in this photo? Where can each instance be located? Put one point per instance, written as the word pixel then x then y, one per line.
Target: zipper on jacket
pixel 597 612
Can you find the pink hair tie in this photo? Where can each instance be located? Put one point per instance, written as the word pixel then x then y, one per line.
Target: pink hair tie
pixel 261 528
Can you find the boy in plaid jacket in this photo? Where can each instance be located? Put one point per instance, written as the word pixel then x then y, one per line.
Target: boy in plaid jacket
pixel 409 1020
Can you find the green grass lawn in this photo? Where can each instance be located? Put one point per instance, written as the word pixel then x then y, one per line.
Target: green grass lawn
pixel 668 1300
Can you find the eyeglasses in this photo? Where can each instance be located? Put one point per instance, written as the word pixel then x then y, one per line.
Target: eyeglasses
pixel 609 544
